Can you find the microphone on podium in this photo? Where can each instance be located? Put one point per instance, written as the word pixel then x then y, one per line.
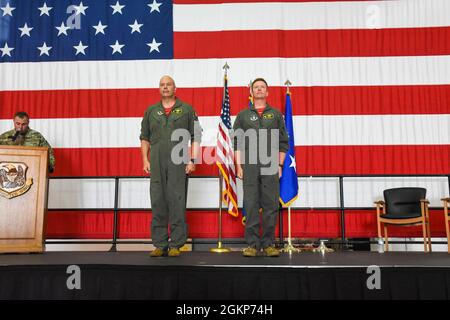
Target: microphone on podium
pixel 14 137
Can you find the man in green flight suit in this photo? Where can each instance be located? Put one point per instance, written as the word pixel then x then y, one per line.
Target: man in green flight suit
pixel 261 143
pixel 22 135
pixel 166 129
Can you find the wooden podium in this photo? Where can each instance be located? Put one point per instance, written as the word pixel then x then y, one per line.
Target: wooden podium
pixel 23 198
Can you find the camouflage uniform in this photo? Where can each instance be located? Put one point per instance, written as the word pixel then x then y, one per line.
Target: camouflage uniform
pixel 168 183
pixel 31 139
pixel 260 190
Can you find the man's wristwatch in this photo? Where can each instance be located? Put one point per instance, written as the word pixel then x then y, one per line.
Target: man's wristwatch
pixel 192 161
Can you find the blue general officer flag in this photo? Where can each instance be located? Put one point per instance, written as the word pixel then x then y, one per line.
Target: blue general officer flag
pixel 288 181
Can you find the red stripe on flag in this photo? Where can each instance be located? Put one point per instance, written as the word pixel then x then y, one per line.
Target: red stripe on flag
pixel 95 103
pixel 203 224
pixel 319 43
pixel 363 223
pixel 80 225
pixel 132 225
pixel 357 100
pixel 314 160
pixel 400 159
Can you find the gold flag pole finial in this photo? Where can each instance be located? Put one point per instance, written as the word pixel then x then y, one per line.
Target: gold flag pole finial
pixel 226 67
pixel 250 91
pixel 288 84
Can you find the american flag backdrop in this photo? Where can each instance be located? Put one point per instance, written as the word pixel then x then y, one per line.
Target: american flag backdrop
pixel 370 95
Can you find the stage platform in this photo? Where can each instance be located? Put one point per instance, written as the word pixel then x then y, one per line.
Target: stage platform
pixel 227 276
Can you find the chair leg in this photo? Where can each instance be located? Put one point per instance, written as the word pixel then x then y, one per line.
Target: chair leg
pixel 386 244
pixel 379 227
pixel 428 227
pixel 448 236
pixel 425 237
pixel 447 228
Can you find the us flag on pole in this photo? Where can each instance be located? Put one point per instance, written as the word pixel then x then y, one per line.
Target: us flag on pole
pixel 225 154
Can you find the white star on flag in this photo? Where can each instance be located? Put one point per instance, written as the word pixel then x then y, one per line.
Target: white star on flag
pixel 44 50
pixel 25 30
pixel 293 164
pixel 62 29
pixel 117 8
pixel 6 50
pixel 135 27
pixel 99 28
pixel 154 45
pixel 7 10
pixel 117 47
pixel 80 8
pixel 45 10
pixel 80 48
pixel 154 6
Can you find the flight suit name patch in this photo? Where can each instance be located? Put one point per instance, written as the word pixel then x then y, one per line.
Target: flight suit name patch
pixel 268 116
pixel 177 111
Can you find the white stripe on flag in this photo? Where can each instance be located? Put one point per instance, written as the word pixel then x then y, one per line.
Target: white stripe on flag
pixel 312 15
pixel 133 193
pixel 353 71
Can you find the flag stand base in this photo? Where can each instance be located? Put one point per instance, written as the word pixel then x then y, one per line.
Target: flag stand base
pixel 220 249
pixel 323 248
pixel 289 248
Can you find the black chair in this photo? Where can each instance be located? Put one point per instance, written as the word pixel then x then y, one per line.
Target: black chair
pixel 407 207
pixel 447 220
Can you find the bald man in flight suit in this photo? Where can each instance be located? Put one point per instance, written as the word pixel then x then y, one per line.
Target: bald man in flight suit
pixel 163 121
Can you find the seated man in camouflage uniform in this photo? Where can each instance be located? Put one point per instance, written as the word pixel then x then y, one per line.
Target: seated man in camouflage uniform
pixel 22 135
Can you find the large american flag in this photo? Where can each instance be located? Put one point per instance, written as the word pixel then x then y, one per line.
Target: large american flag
pixel 371 81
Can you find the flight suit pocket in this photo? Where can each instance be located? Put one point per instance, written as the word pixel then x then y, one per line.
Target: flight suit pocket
pixel 155 128
pixel 180 121
pixel 269 122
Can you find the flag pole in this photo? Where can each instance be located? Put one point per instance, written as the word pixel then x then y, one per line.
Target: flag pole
pixel 289 247
pixel 219 248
